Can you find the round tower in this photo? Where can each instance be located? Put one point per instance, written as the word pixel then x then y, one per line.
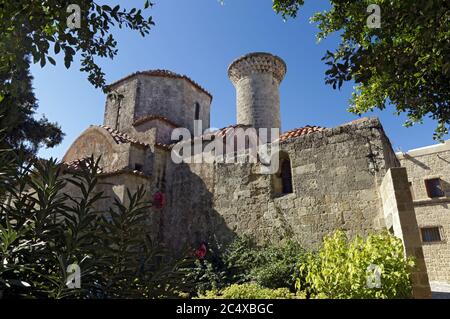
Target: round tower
pixel 256 77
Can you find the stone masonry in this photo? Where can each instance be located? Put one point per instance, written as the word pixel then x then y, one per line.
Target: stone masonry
pixel 432 162
pixel 345 177
pixel 257 77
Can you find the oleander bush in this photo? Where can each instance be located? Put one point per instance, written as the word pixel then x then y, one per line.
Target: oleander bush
pixel 221 266
pixel 345 268
pixel 43 230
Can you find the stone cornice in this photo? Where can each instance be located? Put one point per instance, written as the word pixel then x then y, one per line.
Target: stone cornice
pixel 258 62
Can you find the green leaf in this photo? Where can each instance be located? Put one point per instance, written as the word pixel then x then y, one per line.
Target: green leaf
pixel 51 60
pixel 57 48
pixel 42 61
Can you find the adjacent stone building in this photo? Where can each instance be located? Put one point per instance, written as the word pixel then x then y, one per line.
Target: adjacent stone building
pixel 347 177
pixel 429 179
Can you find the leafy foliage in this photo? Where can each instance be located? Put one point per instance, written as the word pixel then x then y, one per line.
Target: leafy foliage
pixel 404 63
pixel 44 229
pixel 278 265
pixel 23 132
pixel 271 266
pixel 35 27
pixel 251 291
pixel 340 269
pixel 41 30
pixel 220 267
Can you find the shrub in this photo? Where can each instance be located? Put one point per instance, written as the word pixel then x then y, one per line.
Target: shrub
pixel 341 268
pixel 43 230
pixel 250 291
pixel 278 265
pixel 221 266
pixel 271 266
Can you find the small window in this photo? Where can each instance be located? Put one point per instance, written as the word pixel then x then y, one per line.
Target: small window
pixel 411 189
pixel 434 187
pixel 138 167
pixel 197 111
pixel 282 180
pixel 286 176
pixel 430 234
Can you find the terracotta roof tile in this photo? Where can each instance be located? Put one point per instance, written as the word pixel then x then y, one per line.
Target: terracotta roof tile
pixel 227 130
pixel 77 164
pixel 162 73
pixel 125 171
pixel 120 137
pixel 166 147
pixel 289 134
pixel 299 132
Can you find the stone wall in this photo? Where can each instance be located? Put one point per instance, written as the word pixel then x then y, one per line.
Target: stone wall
pixel 120 106
pixel 142 95
pixel 399 214
pixel 95 141
pixel 162 130
pixel 192 95
pixel 421 164
pixel 257 77
pixel 336 176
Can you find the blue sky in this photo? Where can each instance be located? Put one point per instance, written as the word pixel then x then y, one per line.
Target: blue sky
pixel 200 38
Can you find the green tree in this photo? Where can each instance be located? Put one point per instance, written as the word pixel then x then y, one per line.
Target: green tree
pixel 405 62
pixel 36 27
pixel 40 30
pixel 23 132
pixel 348 269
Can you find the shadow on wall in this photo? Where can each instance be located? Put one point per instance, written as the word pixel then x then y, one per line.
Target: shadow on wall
pixel 416 161
pixel 445 187
pixel 189 217
pixel 115 188
pixel 443 159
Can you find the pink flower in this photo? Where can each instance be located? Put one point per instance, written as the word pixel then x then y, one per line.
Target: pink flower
pixel 159 200
pixel 200 253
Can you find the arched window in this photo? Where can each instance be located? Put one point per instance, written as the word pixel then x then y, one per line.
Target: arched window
pixel 197 111
pixel 282 180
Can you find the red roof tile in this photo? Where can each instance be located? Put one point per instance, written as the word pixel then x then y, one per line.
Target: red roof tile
pixel 299 132
pixel 120 137
pixel 125 171
pixel 77 164
pixel 227 130
pixel 166 147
